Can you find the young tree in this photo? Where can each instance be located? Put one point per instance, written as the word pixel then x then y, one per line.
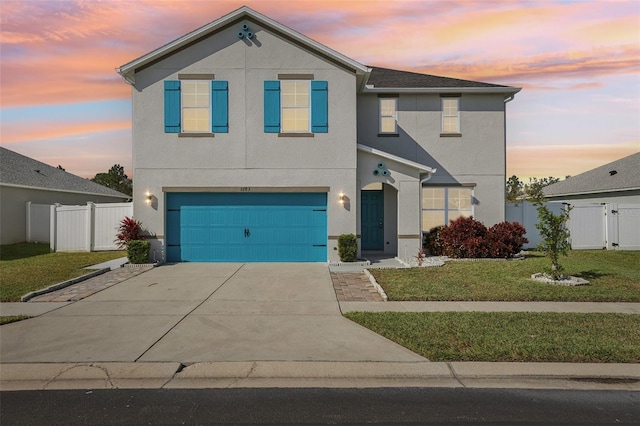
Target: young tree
pixel 555 235
pixel 116 179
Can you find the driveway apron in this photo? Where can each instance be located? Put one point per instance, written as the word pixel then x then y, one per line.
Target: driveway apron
pixel 195 312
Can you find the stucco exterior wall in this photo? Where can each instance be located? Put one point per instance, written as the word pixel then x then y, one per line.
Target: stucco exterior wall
pixel 246 156
pixel 13 205
pixel 476 157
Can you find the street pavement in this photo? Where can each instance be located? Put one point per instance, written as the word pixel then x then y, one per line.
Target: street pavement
pixel 252 325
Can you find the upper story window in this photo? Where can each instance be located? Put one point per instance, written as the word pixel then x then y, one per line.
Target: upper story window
pixel 388 120
pixel 450 115
pixel 296 106
pixel 196 106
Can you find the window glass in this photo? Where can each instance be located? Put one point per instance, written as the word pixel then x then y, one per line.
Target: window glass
pixel 196 106
pixel 441 205
pixel 388 115
pixel 450 115
pixel 295 106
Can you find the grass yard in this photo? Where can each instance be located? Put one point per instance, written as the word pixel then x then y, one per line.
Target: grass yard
pixel 510 336
pixel 12 318
pixel 614 277
pixel 27 267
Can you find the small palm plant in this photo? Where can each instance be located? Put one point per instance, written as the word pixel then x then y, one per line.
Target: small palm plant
pixel 129 230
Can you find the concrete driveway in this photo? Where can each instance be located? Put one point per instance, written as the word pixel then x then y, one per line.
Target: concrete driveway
pixel 195 312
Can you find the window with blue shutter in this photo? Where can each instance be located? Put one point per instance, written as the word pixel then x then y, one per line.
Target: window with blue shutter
pixel 297 107
pixel 219 107
pixel 319 107
pixel 172 111
pixel 272 106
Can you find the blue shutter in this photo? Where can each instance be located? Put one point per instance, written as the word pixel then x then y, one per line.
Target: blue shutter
pixel 272 106
pixel 172 106
pixel 219 106
pixel 319 107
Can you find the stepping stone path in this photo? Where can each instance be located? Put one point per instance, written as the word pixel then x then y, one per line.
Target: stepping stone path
pixel 354 287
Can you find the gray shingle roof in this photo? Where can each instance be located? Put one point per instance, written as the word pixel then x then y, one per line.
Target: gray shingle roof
pixel 601 179
pixel 388 78
pixel 16 169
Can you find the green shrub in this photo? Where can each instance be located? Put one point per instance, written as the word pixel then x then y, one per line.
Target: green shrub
pixel 347 248
pixel 138 251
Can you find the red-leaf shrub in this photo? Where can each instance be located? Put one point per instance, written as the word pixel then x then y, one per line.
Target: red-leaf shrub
pixel 505 239
pixel 433 242
pixel 463 238
pixel 129 230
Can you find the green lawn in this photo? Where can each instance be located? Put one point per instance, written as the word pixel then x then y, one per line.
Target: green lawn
pixel 27 267
pixel 12 318
pixel 614 277
pixel 510 336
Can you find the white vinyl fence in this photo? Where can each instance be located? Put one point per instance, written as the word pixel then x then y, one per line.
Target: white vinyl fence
pixel 526 214
pixel 610 226
pixel 91 227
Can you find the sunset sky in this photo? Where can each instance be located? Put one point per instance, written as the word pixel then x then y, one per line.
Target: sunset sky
pixel 578 63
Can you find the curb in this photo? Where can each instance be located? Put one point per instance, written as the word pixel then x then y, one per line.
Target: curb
pixel 63 284
pixel 264 374
pixel 376 285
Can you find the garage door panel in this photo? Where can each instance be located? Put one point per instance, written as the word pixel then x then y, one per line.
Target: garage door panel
pixel 239 227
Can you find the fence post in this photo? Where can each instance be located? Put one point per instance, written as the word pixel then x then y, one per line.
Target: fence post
pixel 88 245
pixel 28 230
pixel 53 232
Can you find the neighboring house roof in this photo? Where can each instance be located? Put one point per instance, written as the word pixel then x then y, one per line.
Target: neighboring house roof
pixel 620 175
pixel 128 70
pixel 21 171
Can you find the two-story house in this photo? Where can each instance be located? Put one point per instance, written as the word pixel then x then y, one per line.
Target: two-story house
pixel 253 142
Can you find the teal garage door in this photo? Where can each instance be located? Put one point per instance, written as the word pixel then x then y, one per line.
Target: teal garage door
pixel 246 227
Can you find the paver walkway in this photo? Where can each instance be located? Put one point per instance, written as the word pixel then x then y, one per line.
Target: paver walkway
pixel 91 286
pixel 354 287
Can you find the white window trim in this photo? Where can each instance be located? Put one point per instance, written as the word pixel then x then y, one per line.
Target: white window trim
pixel 395 116
pixel 442 99
pixel 282 107
pixel 182 107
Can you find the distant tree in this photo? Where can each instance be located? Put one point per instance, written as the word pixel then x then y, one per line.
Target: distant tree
pixel 116 179
pixel 515 189
pixel 533 190
pixel 61 168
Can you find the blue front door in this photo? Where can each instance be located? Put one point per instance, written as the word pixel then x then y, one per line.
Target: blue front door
pixel 246 227
pixel 372 220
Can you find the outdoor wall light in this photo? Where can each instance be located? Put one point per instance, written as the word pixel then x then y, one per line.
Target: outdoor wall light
pixel 148 197
pixel 342 198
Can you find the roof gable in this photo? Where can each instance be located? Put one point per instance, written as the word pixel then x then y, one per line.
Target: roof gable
pixel 619 175
pixel 128 70
pixel 22 171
